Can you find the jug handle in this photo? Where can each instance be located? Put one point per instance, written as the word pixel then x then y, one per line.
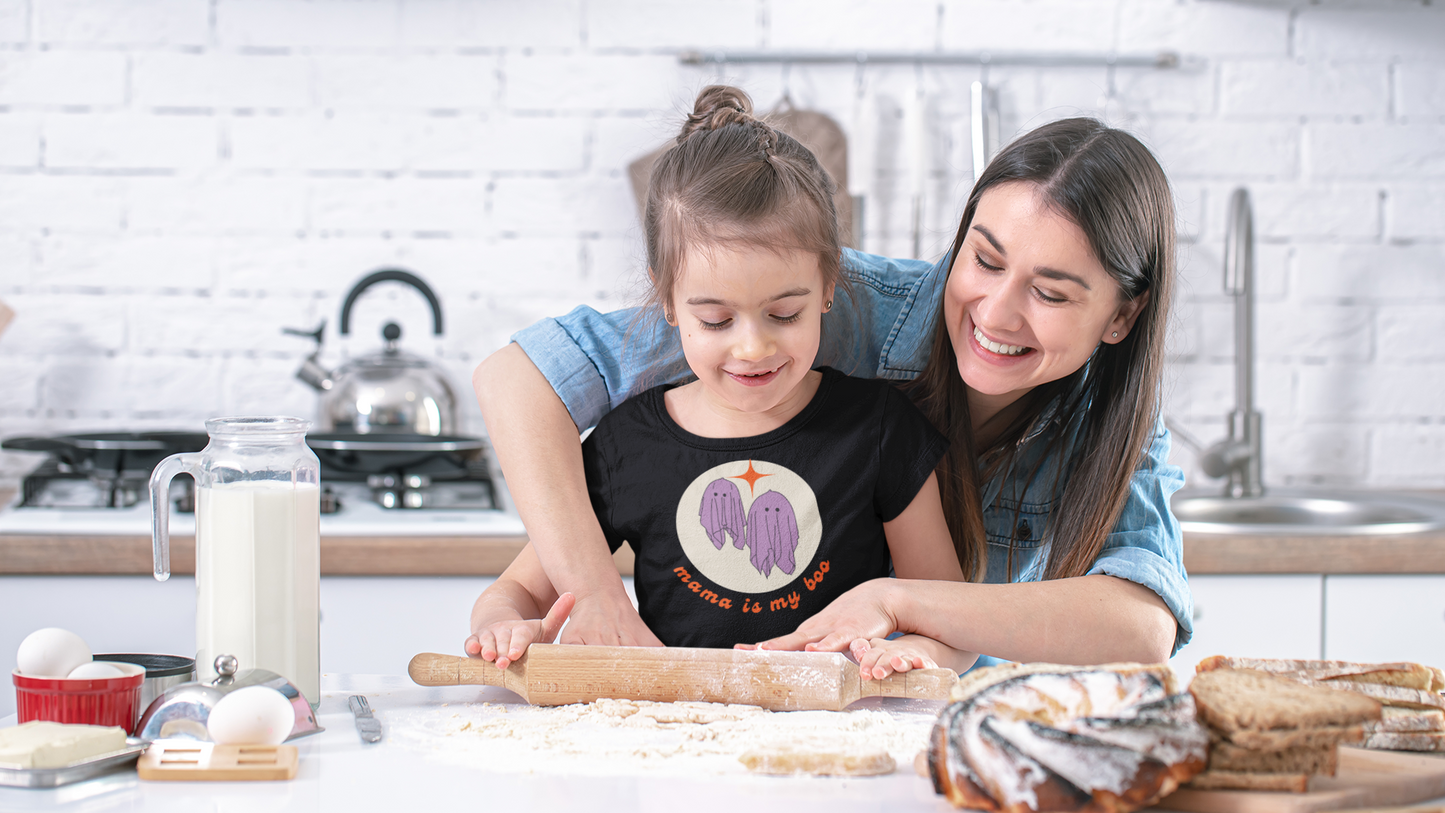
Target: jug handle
pixel 187 463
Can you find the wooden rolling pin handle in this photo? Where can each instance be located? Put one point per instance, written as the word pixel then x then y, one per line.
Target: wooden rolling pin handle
pixel 918 684
pixel 431 669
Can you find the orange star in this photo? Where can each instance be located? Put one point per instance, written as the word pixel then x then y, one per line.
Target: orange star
pixel 751 475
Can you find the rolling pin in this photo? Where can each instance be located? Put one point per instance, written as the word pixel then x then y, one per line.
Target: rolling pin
pixel 555 674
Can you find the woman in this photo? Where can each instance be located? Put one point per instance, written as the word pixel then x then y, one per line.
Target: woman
pixel 1040 358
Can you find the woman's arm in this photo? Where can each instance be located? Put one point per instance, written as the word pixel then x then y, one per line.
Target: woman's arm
pixel 1082 620
pixel 538 449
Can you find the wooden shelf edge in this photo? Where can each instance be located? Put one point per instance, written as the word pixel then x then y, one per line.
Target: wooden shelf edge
pixel 57 555
pixel 1355 555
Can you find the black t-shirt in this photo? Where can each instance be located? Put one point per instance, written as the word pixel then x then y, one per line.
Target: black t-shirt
pixel 738 540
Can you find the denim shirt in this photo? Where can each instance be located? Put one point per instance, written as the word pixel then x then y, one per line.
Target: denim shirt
pixel 884 328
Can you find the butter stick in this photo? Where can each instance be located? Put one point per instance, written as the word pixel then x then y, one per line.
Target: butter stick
pixel 41 744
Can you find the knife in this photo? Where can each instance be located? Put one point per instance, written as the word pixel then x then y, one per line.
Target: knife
pixel 366 725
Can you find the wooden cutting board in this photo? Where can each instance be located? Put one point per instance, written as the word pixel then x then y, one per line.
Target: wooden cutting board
pixel 553 674
pixel 1363 779
pixel 206 761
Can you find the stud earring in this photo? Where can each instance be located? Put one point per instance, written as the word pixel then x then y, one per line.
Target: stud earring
pixel 827 306
pixel 1116 334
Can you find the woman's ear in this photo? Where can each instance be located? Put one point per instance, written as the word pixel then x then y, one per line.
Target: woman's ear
pixel 828 293
pixel 1124 319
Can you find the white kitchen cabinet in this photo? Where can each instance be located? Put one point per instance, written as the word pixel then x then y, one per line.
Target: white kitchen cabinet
pixel 369 624
pixel 1385 618
pixel 1272 616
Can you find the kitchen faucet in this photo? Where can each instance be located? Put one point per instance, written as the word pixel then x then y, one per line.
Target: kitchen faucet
pixel 1238 454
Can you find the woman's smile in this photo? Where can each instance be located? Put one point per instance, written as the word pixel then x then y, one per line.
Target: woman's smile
pixel 997 348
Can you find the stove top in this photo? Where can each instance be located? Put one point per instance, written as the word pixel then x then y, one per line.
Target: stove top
pixel 59 496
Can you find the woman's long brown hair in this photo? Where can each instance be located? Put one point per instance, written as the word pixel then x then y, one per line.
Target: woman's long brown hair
pixel 1104 415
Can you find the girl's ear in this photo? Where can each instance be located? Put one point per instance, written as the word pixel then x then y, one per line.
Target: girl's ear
pixel 1124 319
pixel 828 293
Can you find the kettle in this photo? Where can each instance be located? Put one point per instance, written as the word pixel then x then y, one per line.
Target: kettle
pixel 390 391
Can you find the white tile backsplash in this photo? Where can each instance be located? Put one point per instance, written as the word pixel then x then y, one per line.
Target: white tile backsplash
pixel 180 179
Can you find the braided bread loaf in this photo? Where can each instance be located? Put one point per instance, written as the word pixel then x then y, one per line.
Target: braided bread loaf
pixel 1044 737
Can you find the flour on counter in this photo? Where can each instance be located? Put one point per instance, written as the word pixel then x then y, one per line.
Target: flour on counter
pixel 612 737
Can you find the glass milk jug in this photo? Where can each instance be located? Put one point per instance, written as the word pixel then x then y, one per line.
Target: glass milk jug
pixel 258 550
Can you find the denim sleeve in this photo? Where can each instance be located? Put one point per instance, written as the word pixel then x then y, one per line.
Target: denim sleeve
pixel 595 361
pixel 1146 546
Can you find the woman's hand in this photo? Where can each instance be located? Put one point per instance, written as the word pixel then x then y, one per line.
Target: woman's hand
pixel 503 642
pixel 880 657
pixel 863 612
pixel 603 619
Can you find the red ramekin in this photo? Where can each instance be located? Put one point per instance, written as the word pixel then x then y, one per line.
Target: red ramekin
pixel 106 701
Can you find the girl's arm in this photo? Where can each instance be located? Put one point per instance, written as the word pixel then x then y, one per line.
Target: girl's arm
pixel 918 538
pixel 505 618
pixel 538 449
pixel 1081 620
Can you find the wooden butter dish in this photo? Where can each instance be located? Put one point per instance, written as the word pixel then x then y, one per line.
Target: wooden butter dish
pixel 207 761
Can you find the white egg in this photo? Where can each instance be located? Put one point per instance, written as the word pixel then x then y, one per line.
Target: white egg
pixel 96 670
pixel 254 715
pixel 51 652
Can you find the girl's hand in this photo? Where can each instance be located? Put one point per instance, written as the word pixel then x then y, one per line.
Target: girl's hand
pixel 880 657
pixel 504 642
pixel 862 612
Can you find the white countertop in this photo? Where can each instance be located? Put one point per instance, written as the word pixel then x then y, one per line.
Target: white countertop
pixel 340 773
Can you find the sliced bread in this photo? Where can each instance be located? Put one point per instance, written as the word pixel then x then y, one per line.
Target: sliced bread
pixel 1401 719
pixel 1297 738
pixel 1232 700
pixel 1402 673
pixel 1405 741
pixel 1224 756
pixel 1390 695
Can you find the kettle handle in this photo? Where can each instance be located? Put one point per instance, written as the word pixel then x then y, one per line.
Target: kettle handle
pixel 391 275
pixel 187 463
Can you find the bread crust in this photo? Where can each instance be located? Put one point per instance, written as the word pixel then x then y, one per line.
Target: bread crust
pixel 1027 737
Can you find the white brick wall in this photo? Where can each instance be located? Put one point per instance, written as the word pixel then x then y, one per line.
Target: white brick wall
pixel 180 179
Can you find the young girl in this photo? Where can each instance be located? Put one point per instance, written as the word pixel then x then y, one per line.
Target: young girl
pixel 760 491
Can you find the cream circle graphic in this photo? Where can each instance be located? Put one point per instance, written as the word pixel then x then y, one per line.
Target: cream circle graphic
pixel 750 526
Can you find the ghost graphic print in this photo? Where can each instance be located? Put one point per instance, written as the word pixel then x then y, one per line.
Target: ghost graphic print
pixel 772 533
pixel 721 513
pixel 768 513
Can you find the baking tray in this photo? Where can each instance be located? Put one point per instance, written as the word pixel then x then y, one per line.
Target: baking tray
pixel 75 771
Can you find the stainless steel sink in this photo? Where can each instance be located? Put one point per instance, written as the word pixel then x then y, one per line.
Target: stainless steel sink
pixel 1282 512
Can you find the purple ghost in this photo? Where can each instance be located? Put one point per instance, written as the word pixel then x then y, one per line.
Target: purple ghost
pixel 721 513
pixel 772 533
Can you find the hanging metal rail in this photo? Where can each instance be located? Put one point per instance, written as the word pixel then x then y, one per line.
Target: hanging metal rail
pixel 1163 59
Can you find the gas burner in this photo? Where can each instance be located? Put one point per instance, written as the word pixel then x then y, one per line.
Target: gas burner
pixel 55 485
pixel 415 492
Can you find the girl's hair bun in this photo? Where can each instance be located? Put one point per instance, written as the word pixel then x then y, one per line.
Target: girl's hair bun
pixel 717 106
